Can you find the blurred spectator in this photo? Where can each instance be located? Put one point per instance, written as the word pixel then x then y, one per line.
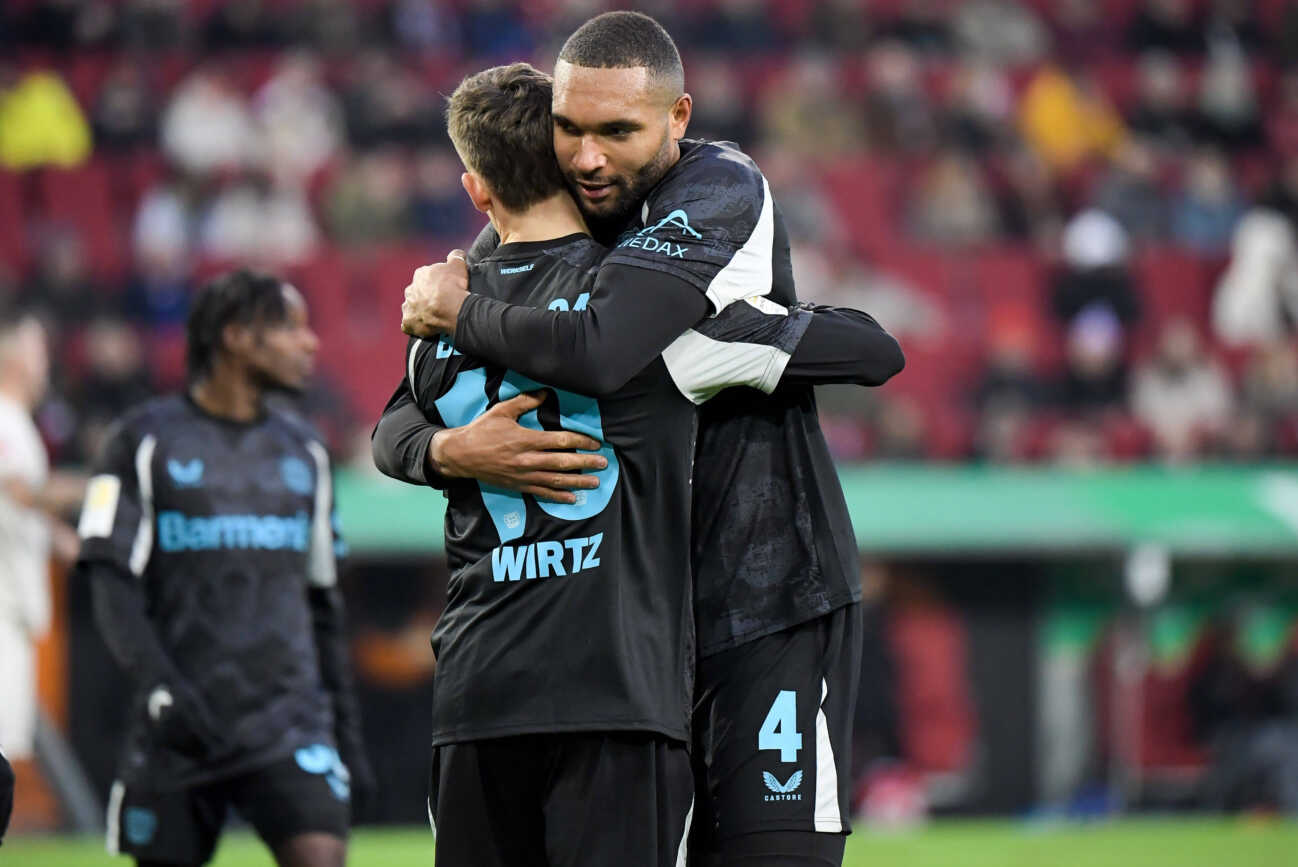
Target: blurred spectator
pixel 1227 101
pixel 1232 22
pixel 1095 274
pixel 241 25
pixel 831 275
pixel 386 104
pixel 843 27
pixel 1095 376
pixel 808 214
pixel 1067 120
pixel 736 27
pixel 1244 702
pixel 125 114
pixel 898 116
pixel 207 126
pixel 1031 207
pixel 440 208
pixel 64 25
pixel 1167 25
pixel 1209 205
pixel 369 200
pixel 115 378
pixel 40 123
pixel 334 28
pixel 423 26
pixel 496 30
pixel 1001 32
pixel 157 292
pixel 62 289
pixel 1130 191
pixel 805 113
pixel 951 203
pixel 152 25
pixel 255 220
pixel 1009 392
pixel 299 120
pixel 979 108
pixel 1180 395
pixel 1270 382
pixel 922 25
pixel 1257 297
pixel 721 111
pixel 1282 196
pixel 1161 113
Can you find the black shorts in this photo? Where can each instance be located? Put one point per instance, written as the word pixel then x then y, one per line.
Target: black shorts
pixel 561 800
pixel 305 792
pixel 773 732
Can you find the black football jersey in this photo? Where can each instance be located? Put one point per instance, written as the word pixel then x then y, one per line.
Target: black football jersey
pixel 563 617
pixel 773 544
pixel 226 525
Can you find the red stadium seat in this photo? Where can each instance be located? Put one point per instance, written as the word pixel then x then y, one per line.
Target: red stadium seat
pixel 13 228
pixel 82 199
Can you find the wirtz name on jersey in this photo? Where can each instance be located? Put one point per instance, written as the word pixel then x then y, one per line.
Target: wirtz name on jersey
pixel 545 559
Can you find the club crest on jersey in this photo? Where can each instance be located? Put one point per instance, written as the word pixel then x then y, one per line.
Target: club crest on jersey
pixel 185 475
pixel 645 240
pixel 786 791
pixel 296 475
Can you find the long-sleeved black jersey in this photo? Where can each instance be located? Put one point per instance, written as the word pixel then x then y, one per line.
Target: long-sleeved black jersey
pixel 772 542
pixel 212 545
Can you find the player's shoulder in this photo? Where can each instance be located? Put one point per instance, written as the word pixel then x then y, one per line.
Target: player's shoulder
pixel 721 159
pixel 287 419
pixel 714 192
pixel 579 252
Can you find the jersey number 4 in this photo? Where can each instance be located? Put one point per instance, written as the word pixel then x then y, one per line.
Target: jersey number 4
pixel 467 399
pixel 779 730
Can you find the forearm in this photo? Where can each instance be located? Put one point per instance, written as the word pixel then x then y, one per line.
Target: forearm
pixel 329 628
pixel 121 615
pixel 402 439
pixel 842 345
pixel 595 351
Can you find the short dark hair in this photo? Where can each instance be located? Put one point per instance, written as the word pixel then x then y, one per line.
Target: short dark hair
pixel 499 121
pixel 245 297
pixel 623 40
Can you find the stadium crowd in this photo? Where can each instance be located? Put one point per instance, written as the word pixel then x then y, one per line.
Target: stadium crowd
pixel 1079 217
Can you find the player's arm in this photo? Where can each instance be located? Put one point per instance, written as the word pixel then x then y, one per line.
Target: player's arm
pixel 329 626
pixel 493 448
pixel 116 531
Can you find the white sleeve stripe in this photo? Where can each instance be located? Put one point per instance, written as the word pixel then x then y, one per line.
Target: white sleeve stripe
pixel 142 549
pixel 322 571
pixel 701 366
pixel 750 270
pixel 112 837
pixel 410 362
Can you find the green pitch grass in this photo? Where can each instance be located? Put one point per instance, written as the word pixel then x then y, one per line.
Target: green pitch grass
pixel 1137 843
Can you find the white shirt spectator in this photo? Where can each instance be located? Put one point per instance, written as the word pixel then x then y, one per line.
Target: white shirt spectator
pixel 1260 288
pixel 208 127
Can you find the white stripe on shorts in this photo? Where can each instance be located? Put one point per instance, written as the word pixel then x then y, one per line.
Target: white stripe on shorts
pixel 828 815
pixel 682 849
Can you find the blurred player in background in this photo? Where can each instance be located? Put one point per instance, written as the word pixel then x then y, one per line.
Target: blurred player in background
pixel 694 228
pixel 209 540
pixel 31 499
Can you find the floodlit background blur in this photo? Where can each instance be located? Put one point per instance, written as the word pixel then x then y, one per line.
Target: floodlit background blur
pixel 1078 504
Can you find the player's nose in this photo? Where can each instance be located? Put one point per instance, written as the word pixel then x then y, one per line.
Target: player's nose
pixel 589 156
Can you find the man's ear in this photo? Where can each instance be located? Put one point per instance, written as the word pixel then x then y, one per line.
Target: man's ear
pixel 236 339
pixel 678 117
pixel 479 192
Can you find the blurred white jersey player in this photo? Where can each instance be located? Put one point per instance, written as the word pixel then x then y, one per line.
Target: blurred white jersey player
pixel 24 531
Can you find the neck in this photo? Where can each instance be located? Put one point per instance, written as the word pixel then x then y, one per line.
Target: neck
pixel 13 389
pixel 551 218
pixel 226 394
